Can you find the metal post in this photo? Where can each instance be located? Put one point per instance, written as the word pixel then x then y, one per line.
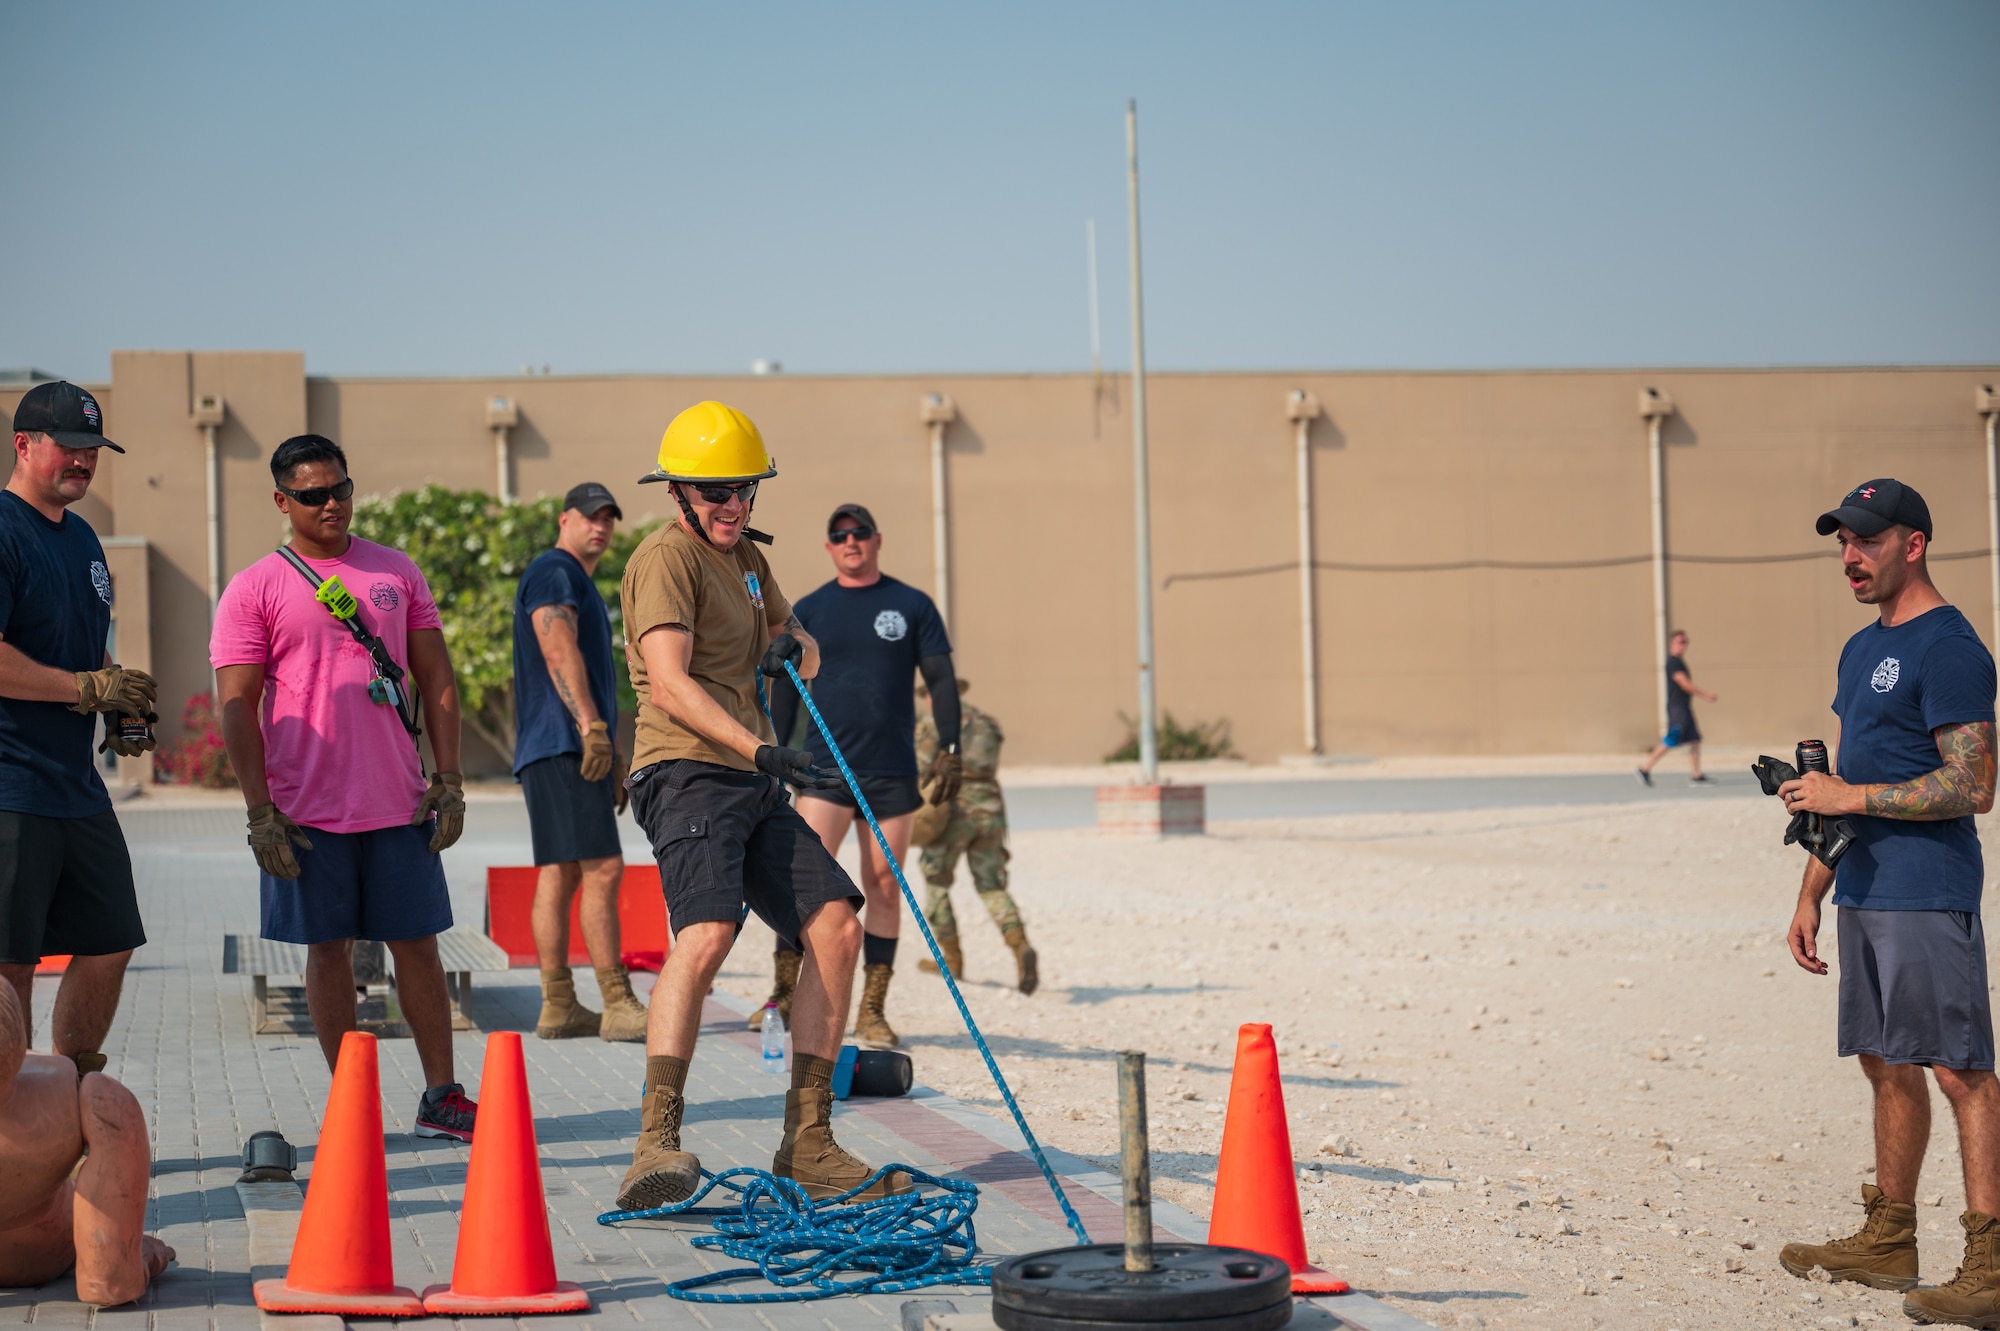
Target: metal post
pixel 1303 407
pixel 940 525
pixel 1149 739
pixel 214 462
pixel 1135 1163
pixel 1655 407
pixel 503 459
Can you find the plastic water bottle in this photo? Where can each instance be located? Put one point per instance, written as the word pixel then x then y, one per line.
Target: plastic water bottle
pixel 774 1038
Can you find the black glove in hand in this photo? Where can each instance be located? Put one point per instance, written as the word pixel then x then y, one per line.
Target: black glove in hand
pixel 795 767
pixel 947 773
pixel 116 742
pixel 784 649
pixel 272 836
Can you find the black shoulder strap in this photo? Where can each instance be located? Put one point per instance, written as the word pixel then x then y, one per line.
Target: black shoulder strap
pixel 305 571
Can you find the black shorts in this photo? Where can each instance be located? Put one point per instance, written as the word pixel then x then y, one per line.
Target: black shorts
pixel 1681 728
pixel 569 818
pixel 65 887
pixel 726 838
pixel 888 796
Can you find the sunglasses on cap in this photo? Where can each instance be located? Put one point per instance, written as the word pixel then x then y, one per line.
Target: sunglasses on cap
pixel 722 494
pixel 319 494
pixel 845 534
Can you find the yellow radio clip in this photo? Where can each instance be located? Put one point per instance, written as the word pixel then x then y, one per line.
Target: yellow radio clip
pixel 337 599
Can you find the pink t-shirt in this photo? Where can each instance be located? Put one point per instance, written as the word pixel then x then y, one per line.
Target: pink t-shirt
pixel 335 758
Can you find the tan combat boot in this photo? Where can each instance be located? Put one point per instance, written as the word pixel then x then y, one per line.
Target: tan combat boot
pixel 661 1173
pixel 1027 976
pixel 870 1025
pixel 810 1157
pixel 947 944
pixel 1972 1297
pixel 563 1018
pixel 787 979
pixel 624 1015
pixel 1882 1254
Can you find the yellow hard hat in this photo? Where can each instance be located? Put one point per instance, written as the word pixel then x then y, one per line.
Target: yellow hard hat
pixel 712 442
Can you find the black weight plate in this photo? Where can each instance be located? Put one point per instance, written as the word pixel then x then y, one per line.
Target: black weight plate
pixel 1264 1319
pixel 1189 1282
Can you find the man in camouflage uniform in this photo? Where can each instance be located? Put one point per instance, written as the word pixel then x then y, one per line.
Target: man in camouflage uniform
pixel 976 829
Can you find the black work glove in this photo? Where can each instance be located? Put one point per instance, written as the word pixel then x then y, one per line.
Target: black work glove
pixel 784 649
pixel 795 767
pixel 116 741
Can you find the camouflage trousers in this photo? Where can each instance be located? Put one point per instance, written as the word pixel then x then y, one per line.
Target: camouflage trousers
pixel 981 837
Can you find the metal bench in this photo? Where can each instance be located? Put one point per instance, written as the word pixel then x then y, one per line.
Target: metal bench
pixel 283 1011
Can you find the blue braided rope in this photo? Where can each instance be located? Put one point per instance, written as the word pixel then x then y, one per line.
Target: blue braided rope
pixel 950 981
pixel 910 1240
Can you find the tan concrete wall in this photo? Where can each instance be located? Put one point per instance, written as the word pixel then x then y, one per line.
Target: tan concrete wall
pixel 1409 468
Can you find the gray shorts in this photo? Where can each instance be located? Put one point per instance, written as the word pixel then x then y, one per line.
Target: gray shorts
pixel 1913 987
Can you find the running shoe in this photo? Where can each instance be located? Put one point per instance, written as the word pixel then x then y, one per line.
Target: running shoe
pixel 1645 777
pixel 444 1111
pixel 1700 780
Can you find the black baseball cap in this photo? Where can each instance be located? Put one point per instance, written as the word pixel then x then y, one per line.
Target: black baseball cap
pixel 1876 506
pixel 65 413
pixel 855 511
pixel 590 499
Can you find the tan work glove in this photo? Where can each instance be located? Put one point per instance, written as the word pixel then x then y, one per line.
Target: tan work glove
pixel 115 689
pixel 947 774
pixel 115 741
pixel 597 751
pixel 620 797
pixel 272 836
pixel 446 799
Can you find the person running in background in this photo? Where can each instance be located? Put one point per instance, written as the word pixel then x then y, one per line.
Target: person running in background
pixel 875 633
pixel 1681 729
pixel 566 758
pixel 345 831
pixel 975 826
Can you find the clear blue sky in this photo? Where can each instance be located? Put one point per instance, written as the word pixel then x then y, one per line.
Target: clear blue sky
pixel 443 189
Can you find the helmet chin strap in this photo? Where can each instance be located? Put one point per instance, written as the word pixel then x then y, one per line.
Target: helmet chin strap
pixel 694 522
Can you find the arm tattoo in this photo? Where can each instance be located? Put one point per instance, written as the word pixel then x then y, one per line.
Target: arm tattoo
pixel 1960 787
pixel 568 698
pixel 792 625
pixel 548 616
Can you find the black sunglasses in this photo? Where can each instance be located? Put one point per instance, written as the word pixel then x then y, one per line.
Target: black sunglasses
pixel 318 495
pixel 722 494
pixel 846 534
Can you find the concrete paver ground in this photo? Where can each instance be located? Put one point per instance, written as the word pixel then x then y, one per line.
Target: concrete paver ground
pixel 183 1044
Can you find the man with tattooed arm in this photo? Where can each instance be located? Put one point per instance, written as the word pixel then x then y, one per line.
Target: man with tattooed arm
pixel 1916 762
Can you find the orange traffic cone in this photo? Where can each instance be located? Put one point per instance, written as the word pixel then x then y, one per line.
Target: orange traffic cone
pixel 505 1264
pixel 1256 1193
pixel 341 1259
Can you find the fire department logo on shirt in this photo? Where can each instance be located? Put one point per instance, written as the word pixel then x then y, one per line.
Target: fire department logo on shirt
pixel 890 626
pixel 1886 675
pixel 383 596
pixel 100 578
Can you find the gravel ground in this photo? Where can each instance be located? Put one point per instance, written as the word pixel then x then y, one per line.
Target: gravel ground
pixel 1544 1067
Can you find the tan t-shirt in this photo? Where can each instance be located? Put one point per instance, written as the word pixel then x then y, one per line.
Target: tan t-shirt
pixel 728 600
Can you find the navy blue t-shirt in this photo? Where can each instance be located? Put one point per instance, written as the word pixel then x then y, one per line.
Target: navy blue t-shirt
pixel 870 640
pixel 543 727
pixel 55 608
pixel 1897 685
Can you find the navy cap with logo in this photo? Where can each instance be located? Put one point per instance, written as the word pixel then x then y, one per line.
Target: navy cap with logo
pixel 590 499
pixel 1872 508
pixel 855 511
pixel 65 413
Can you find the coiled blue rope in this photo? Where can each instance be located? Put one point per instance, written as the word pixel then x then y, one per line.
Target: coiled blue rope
pixel 910 1240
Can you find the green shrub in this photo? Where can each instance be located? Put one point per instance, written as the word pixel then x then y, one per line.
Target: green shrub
pixel 1178 743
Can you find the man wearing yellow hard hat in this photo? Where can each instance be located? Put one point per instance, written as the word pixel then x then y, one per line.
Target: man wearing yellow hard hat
pixel 702 617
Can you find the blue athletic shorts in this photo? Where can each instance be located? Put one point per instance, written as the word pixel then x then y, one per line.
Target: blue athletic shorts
pixel 1913 987
pixel 384 885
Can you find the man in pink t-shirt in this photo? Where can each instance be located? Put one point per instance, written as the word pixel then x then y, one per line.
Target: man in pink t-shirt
pixel 318 720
